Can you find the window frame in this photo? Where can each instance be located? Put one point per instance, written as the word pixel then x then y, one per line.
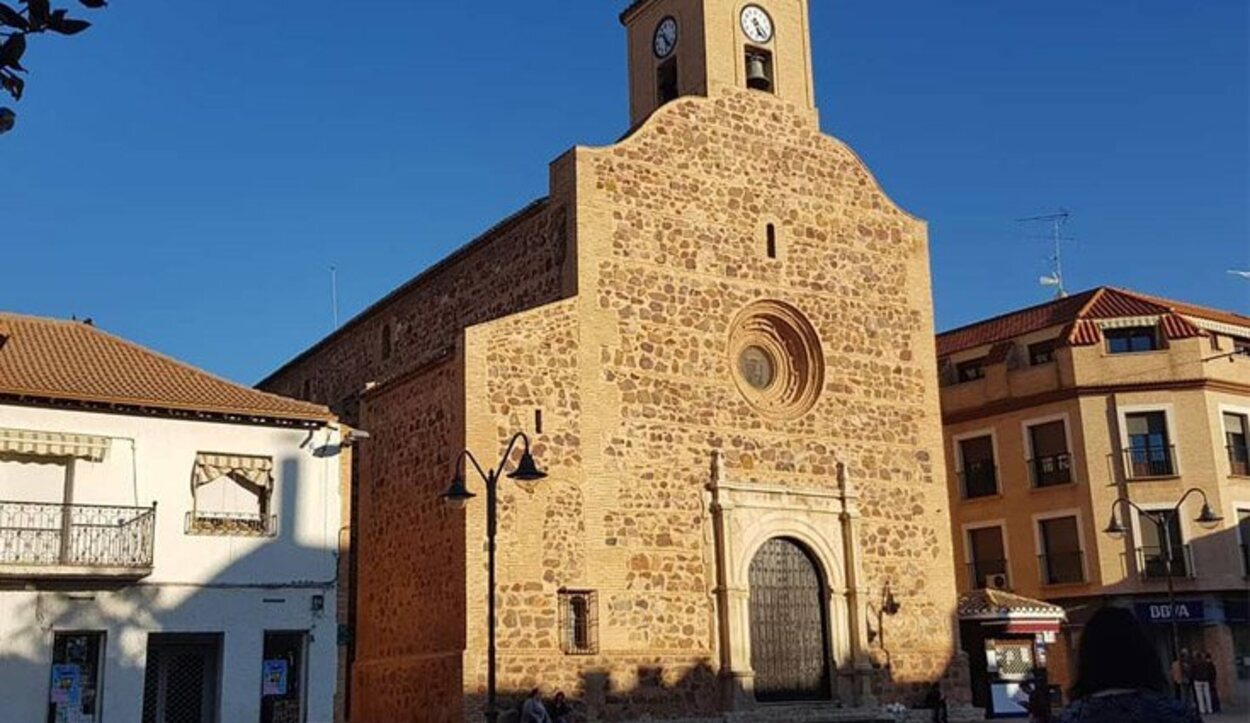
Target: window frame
pixel 1040 548
pixel 1026 431
pixel 958 457
pixel 1053 346
pixel 1243 543
pixel 101 659
pixel 568 643
pixel 1182 526
pixel 1169 416
pixel 1108 334
pixel 970 560
pixel 980 364
pixel 1237 411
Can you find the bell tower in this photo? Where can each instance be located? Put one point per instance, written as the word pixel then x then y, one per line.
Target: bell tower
pixel 698 47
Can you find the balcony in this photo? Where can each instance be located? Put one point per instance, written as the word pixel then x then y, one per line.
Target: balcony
pixel 1239 459
pixel 231 524
pixel 1150 462
pixel 1062 568
pixel 1051 471
pixel 1152 563
pixel 56 541
pixel 982 572
pixel 980 479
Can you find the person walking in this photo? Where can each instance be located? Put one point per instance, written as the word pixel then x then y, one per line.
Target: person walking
pixel 1119 678
pixel 1213 673
pixel 533 710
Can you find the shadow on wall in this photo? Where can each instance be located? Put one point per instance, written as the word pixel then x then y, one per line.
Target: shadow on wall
pixel 270 587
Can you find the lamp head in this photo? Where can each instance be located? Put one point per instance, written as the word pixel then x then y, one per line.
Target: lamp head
pixel 1115 528
pixel 458 495
pixel 1208 518
pixel 527 470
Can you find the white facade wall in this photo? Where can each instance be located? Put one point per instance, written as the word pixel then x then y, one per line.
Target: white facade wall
pixel 236 586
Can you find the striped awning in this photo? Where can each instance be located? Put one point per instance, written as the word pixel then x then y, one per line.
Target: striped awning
pixel 32 443
pixel 215 465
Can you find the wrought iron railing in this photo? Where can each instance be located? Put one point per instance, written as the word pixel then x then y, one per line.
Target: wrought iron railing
pixel 980 479
pixel 983 572
pixel 1055 469
pixel 1060 568
pixel 47 534
pixel 1239 459
pixel 1147 462
pixel 1152 562
pixel 231 524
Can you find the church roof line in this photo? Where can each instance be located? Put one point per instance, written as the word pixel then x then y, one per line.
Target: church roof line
pixel 440 265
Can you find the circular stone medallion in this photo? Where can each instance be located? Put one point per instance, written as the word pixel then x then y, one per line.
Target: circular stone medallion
pixel 776 359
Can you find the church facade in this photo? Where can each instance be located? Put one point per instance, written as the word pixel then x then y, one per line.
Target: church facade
pixel 718 334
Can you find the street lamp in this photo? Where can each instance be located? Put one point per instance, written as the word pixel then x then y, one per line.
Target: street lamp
pixel 1163 520
pixel 457 496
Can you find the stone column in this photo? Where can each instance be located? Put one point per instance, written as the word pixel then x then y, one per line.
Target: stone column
pixel 858 594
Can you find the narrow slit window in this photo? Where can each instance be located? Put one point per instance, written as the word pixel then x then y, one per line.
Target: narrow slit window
pixel 666 81
pixel 538 421
pixel 386 342
pixel 772 241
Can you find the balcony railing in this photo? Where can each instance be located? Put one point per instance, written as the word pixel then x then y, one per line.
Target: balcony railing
pixel 1055 469
pixel 1147 462
pixel 1061 568
pixel 231 524
pixel 1152 562
pixel 982 571
pixel 1239 459
pixel 980 479
pixel 48 539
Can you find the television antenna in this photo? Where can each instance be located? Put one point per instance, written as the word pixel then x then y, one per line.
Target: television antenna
pixel 1056 223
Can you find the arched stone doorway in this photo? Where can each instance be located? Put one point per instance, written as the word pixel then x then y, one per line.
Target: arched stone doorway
pixel 789 624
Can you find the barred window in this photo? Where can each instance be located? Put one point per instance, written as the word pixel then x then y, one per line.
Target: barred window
pixel 579 622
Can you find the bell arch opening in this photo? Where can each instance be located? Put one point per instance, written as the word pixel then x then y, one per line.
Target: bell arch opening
pixel 789 614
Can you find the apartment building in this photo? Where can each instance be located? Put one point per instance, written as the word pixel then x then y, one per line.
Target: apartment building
pixel 168 539
pixel 1107 403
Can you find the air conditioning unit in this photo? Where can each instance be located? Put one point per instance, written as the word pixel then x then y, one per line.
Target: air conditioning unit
pixel 997 581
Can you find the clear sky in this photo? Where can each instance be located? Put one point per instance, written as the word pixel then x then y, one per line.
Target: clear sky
pixel 187 172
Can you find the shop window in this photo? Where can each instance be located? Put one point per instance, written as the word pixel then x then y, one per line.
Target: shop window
pixel 74 693
pixel 282 679
pixel 579 613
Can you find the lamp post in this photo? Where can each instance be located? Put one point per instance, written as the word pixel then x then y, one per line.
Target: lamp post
pixel 1162 520
pixel 458 496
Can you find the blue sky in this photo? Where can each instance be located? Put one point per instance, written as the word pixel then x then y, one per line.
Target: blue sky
pixel 187 172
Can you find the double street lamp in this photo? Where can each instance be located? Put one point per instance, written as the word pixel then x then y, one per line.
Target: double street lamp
pixel 458 496
pixel 1162 520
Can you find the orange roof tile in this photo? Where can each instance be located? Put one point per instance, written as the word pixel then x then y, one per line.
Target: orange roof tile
pixel 1103 302
pixel 53 359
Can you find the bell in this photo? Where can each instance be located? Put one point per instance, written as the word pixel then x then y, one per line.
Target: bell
pixel 757 75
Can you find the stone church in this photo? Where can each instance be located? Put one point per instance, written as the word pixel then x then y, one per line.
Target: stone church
pixel 718 334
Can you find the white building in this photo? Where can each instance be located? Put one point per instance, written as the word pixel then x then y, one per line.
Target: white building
pixel 168 539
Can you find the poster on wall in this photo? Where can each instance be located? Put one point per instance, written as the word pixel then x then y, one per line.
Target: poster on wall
pixel 274 677
pixel 66 685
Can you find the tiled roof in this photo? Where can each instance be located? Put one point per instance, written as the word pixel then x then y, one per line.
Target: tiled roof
pixel 1075 313
pixel 1003 604
pixel 70 361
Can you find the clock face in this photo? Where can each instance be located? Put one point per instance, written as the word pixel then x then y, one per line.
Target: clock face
pixel 665 37
pixel 756 24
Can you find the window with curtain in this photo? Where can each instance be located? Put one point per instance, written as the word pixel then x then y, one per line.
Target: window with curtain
pixel 1150 452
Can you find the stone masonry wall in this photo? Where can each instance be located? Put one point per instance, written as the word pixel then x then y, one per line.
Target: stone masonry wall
pixel 523 262
pixel 410 553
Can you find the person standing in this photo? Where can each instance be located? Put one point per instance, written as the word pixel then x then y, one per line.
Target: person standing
pixel 1182 677
pixel 533 710
pixel 561 711
pixel 1119 677
pixel 1202 674
pixel 1213 672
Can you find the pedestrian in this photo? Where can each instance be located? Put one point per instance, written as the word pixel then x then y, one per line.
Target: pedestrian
pixel 936 702
pixel 560 710
pixel 1119 677
pixel 1214 674
pixel 1202 671
pixel 533 710
pixel 1182 677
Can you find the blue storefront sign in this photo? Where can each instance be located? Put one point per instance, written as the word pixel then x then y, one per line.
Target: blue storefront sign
pixel 1184 611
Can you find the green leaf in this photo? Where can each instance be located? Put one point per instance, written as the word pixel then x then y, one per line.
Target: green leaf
pixel 12 18
pixel 12 50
